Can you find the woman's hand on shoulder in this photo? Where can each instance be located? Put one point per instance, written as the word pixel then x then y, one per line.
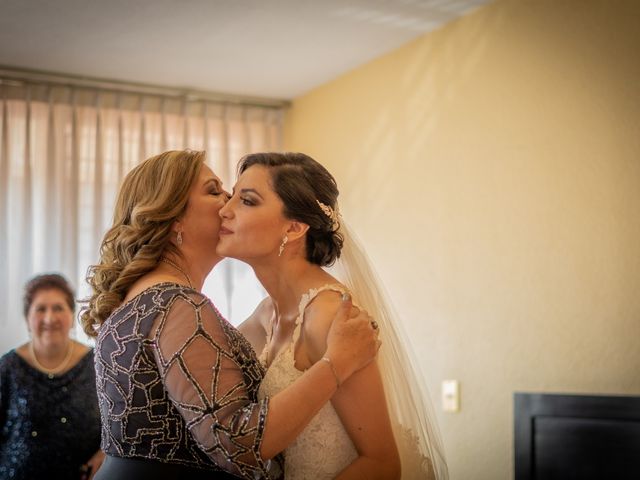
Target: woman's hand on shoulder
pixel 336 329
pixel 360 401
pixel 318 317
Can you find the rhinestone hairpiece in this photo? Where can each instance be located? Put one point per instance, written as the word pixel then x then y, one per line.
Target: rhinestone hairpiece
pixel 331 213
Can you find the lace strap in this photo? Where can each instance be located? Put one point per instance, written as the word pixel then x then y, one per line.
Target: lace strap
pixel 264 355
pixel 305 300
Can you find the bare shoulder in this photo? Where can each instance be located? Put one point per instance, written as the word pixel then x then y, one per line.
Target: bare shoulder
pixel 323 307
pixel 254 328
pixel 261 316
pixel 318 318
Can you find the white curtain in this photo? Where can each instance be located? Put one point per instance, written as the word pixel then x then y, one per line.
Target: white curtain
pixel 63 153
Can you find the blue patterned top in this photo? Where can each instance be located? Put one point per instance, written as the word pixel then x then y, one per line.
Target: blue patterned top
pixel 49 426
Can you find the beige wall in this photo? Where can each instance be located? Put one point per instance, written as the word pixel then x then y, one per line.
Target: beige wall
pixel 493 170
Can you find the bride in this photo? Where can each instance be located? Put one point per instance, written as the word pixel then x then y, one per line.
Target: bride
pixel 283 221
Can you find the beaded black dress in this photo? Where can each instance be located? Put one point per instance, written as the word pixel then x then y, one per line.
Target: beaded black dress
pixel 50 425
pixel 178 388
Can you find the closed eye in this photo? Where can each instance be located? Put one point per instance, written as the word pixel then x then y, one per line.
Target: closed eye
pixel 214 187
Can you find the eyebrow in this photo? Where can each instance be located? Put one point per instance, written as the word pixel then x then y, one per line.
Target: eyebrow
pixel 251 190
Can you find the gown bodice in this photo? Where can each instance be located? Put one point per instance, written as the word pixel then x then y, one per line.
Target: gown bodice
pixel 324 447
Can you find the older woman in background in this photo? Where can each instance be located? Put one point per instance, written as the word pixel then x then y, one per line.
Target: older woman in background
pixel 49 417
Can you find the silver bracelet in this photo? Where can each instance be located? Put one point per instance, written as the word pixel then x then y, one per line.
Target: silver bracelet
pixel 333 369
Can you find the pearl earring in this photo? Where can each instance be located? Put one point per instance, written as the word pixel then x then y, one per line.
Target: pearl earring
pixel 179 239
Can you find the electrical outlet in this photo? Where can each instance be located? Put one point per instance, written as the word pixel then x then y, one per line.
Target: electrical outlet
pixel 450 395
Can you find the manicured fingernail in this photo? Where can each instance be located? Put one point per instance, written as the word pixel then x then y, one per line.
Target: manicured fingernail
pixel 346 297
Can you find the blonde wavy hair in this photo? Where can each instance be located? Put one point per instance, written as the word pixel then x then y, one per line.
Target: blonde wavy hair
pixel 152 197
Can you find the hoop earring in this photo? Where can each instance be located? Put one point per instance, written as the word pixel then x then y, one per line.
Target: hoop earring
pixel 285 239
pixel 179 239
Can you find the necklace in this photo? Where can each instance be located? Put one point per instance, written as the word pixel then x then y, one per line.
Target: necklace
pixel 51 371
pixel 174 265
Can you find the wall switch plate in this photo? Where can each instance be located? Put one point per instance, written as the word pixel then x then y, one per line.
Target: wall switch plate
pixel 450 395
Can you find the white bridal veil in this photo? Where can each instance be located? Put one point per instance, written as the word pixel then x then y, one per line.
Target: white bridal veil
pixel 414 425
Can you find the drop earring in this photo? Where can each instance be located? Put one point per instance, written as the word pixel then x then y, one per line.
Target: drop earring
pixel 285 239
pixel 179 239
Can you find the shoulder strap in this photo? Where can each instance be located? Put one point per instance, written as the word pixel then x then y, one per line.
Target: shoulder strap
pixel 264 355
pixel 306 299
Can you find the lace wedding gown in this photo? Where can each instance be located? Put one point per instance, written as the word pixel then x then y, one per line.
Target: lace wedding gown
pixel 324 448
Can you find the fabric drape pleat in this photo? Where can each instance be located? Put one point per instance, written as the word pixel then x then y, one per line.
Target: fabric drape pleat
pixel 205 126
pixel 98 178
pixel 72 197
pixel 52 184
pixel 185 125
pixel 120 140
pixel 4 207
pixel 143 137
pixel 27 202
pixel 163 125
pixel 63 154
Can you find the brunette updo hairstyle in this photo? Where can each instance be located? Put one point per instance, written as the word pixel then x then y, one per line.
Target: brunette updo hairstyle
pixel 47 281
pixel 301 182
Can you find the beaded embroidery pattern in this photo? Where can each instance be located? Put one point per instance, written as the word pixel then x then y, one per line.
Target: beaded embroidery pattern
pixel 177 383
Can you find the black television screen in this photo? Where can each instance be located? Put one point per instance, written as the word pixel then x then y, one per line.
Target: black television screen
pixel 576 437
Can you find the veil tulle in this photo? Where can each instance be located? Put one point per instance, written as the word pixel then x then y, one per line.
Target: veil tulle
pixel 414 426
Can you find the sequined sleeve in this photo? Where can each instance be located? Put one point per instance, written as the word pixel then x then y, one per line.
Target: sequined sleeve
pixel 207 371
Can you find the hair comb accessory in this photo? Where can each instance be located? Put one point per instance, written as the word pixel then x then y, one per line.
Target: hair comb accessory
pixel 331 213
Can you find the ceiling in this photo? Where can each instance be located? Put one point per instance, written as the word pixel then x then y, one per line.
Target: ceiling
pixel 267 48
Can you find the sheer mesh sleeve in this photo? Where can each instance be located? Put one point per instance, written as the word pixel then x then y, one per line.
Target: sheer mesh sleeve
pixel 209 372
